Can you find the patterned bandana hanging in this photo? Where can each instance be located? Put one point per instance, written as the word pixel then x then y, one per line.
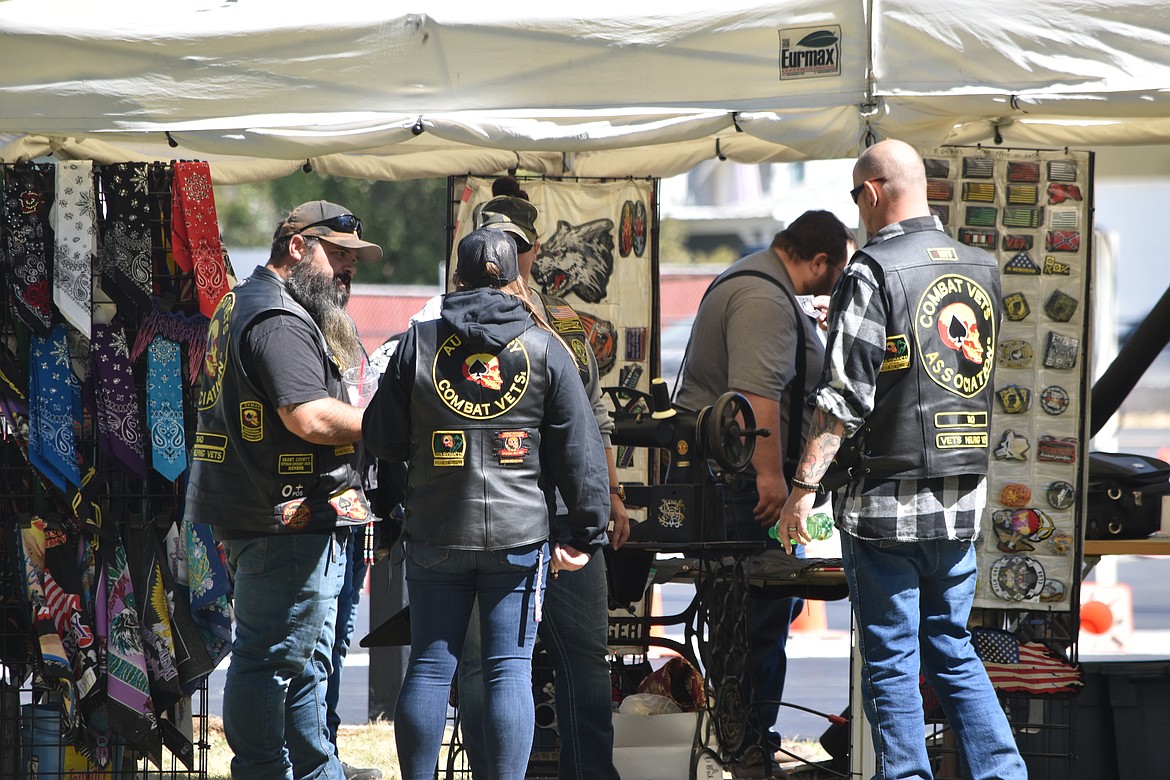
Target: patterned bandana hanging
pixel 116 398
pixel 164 408
pixel 125 253
pixel 76 238
pixel 195 232
pixel 28 242
pixel 132 712
pixel 55 400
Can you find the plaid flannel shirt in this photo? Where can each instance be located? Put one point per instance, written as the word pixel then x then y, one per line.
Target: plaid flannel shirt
pixel 894 509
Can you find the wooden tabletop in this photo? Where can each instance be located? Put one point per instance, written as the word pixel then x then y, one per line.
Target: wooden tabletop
pixel 1154 546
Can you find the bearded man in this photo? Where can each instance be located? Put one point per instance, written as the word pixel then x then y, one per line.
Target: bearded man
pixel 276 471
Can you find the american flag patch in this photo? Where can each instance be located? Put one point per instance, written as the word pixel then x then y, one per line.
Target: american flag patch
pixel 982 216
pixel 1062 170
pixel 977 168
pixel 1023 171
pixel 1023 194
pixel 943 212
pixel 937 169
pixel 562 312
pixel 1028 667
pixel 1063 241
pixel 939 189
pixel 1022 265
pixel 1063 219
pixel 1017 217
pixel 979 192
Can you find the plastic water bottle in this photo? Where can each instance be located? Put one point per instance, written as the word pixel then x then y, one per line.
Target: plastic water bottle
pixel 818 526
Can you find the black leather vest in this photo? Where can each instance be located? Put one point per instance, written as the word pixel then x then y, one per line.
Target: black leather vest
pixel 565 320
pixel 250 474
pixel 475 449
pixel 934 392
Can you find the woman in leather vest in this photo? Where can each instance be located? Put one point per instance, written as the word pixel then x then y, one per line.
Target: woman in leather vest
pixel 486 406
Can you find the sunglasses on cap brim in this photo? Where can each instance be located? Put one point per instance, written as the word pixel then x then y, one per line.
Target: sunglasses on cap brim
pixel 346 223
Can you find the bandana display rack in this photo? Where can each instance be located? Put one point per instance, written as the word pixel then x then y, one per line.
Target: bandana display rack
pixel 101 543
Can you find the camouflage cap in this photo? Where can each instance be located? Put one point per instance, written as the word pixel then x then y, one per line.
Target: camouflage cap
pixel 509 210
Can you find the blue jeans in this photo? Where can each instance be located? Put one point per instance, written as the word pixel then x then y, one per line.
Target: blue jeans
pixel 911 601
pixel 286 588
pixel 768 621
pixel 347 602
pixel 444 584
pixel 575 632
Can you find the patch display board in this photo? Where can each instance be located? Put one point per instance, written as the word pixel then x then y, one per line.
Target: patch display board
pixel 597 253
pixel 1033 210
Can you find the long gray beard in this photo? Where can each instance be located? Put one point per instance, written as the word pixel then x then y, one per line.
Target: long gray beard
pixel 324 299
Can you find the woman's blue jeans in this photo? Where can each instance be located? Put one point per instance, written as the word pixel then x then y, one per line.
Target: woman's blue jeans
pixel 286 588
pixel 443 585
pixel 575 633
pixel 911 601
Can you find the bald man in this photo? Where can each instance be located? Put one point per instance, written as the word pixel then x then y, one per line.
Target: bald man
pixel 903 405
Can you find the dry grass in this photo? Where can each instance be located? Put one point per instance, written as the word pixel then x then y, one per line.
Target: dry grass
pixel 372 745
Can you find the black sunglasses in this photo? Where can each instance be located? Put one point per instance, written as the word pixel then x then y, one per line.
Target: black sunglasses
pixel 855 193
pixel 346 223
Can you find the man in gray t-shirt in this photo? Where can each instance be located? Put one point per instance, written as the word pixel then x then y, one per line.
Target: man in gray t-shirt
pixel 746 338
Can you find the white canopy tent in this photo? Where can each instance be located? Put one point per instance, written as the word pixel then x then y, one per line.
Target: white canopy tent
pixel 613 88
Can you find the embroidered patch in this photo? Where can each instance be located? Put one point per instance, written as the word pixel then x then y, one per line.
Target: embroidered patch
pixel 964 430
pixel 1060 494
pixel 984 239
pixel 1022 265
pixel 1015 353
pixel 954 329
pixel 1060 306
pixel 1054 399
pixel 1063 241
pixel 1023 171
pixel 1016 530
pixel 946 253
pixel 1059 193
pixel 510 449
pixel 979 192
pixel 1016 578
pixel 1062 170
pixel 636 343
pixel 480 385
pixel 1057 449
pixel 1015 307
pixel 1023 194
pixel 939 189
pixel 1014 242
pixel 981 216
pixel 897 356
pixel 251 421
pixel 295 514
pixel 209 447
pixel 1015 494
pixel 1014 399
pixel 295 463
pixel 977 168
pixel 1014 216
pixel 1063 219
pixel 350 504
pixel 1054 267
pixel 936 168
pixel 942 211
pixel 1061 351
pixel 1013 446
pixel 448 448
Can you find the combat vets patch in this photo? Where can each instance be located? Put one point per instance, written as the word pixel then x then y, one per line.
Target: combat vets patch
pixel 480 385
pixel 1057 449
pixel 1054 267
pixel 1013 446
pixel 946 253
pixel 509 446
pixel 1054 399
pixel 1014 353
pixel 1014 399
pixel 1022 265
pixel 251 421
pixel 1015 307
pixel 984 239
pixel 448 448
pixel 1060 306
pixel 954 328
pixel 897 355
pixel 1061 351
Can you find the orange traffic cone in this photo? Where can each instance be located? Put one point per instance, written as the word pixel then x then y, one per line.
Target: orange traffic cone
pixel 811 620
pixel 657 651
